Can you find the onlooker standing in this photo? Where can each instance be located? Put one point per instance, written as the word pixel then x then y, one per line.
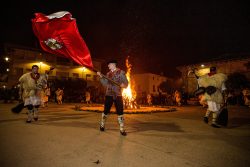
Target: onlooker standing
pixel 149 99
pixel 246 96
pixel 177 97
pixel 87 97
pixel 59 95
pixel 46 94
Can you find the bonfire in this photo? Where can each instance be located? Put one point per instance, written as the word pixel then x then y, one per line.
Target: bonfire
pixel 129 94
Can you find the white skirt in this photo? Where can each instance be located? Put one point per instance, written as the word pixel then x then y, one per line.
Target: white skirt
pixel 32 100
pixel 212 106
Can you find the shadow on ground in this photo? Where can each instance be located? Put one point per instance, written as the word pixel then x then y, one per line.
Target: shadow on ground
pixel 238 122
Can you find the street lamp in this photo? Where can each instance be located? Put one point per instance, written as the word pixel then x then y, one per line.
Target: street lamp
pixel 83 69
pixel 7 59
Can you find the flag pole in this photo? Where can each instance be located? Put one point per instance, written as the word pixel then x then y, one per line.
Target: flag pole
pixel 112 81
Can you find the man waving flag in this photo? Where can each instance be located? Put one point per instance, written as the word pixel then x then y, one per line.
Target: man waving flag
pixel 58 34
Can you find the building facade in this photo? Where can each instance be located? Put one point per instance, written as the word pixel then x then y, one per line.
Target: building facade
pixel 148 83
pixel 238 64
pixel 21 59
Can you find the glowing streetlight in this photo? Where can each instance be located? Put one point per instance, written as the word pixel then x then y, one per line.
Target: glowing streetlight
pixel 7 59
pixel 83 69
pixel 7 69
pixel 202 65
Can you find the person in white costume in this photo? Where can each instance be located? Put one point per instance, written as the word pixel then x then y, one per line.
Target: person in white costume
pixel 214 84
pixel 31 85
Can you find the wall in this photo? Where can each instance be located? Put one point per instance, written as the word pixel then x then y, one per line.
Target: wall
pixel 146 81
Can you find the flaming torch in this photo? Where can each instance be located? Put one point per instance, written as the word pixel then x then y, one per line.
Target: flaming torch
pixel 129 94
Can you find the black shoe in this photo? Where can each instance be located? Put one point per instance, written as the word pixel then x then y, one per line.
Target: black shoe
pixel 102 128
pixel 123 133
pixel 205 119
pixel 215 125
pixel 36 119
pixel 27 121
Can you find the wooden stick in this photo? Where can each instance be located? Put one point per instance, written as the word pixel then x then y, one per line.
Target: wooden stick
pixel 112 81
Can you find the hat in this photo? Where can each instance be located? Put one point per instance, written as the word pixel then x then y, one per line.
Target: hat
pixel 112 61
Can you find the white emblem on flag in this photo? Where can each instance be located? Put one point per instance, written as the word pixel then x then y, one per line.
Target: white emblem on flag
pixel 53 44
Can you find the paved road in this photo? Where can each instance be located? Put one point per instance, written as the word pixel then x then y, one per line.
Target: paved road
pixel 64 137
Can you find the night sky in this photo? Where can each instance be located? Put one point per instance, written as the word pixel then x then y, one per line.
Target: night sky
pixel 158 35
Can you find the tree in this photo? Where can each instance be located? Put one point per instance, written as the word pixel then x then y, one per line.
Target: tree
pixel 235 84
pixel 237 81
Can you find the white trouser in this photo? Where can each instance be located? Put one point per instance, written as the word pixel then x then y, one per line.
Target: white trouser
pixel 214 108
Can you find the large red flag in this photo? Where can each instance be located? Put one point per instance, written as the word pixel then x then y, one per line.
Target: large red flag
pixel 58 34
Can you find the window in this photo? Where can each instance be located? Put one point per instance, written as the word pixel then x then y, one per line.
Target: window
pixel 75 75
pixel 88 75
pixel 62 74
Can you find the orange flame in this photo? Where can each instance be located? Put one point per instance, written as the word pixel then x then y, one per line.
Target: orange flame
pixel 129 94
